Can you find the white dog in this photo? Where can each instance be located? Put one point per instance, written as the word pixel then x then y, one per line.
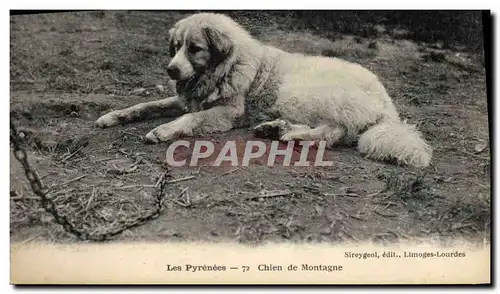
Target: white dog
pixel 223 75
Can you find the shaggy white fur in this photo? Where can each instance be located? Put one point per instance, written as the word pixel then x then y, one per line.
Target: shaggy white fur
pixel 231 73
pixel 395 140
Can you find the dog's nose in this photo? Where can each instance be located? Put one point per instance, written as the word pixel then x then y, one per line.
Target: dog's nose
pixel 173 72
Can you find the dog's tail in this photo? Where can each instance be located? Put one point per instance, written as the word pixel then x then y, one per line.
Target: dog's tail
pixel 395 140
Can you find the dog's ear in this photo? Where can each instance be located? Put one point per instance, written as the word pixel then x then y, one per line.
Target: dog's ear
pixel 171 46
pixel 221 45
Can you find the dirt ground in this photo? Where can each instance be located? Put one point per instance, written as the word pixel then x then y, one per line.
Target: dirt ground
pixel 67 69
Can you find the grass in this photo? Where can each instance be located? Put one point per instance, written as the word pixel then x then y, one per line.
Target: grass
pixel 120 59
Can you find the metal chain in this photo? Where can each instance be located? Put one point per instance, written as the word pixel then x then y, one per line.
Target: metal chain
pixel 50 207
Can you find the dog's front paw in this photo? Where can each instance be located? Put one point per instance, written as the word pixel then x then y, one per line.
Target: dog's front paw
pixel 162 133
pixel 152 137
pixel 169 131
pixel 109 119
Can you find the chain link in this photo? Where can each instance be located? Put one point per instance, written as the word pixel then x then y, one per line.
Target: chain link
pixel 50 207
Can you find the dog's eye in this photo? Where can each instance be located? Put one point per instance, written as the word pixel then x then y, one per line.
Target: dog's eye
pixel 174 48
pixel 194 49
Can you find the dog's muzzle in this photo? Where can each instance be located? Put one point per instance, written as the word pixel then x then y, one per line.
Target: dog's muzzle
pixel 174 72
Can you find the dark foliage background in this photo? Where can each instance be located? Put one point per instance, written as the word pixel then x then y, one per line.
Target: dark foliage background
pixel 450 27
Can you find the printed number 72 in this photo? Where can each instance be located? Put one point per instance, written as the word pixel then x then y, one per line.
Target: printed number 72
pixel 245 268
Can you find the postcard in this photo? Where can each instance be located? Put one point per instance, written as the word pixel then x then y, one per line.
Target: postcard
pixel 250 147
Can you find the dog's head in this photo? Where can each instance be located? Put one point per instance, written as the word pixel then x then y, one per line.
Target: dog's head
pixel 198 44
